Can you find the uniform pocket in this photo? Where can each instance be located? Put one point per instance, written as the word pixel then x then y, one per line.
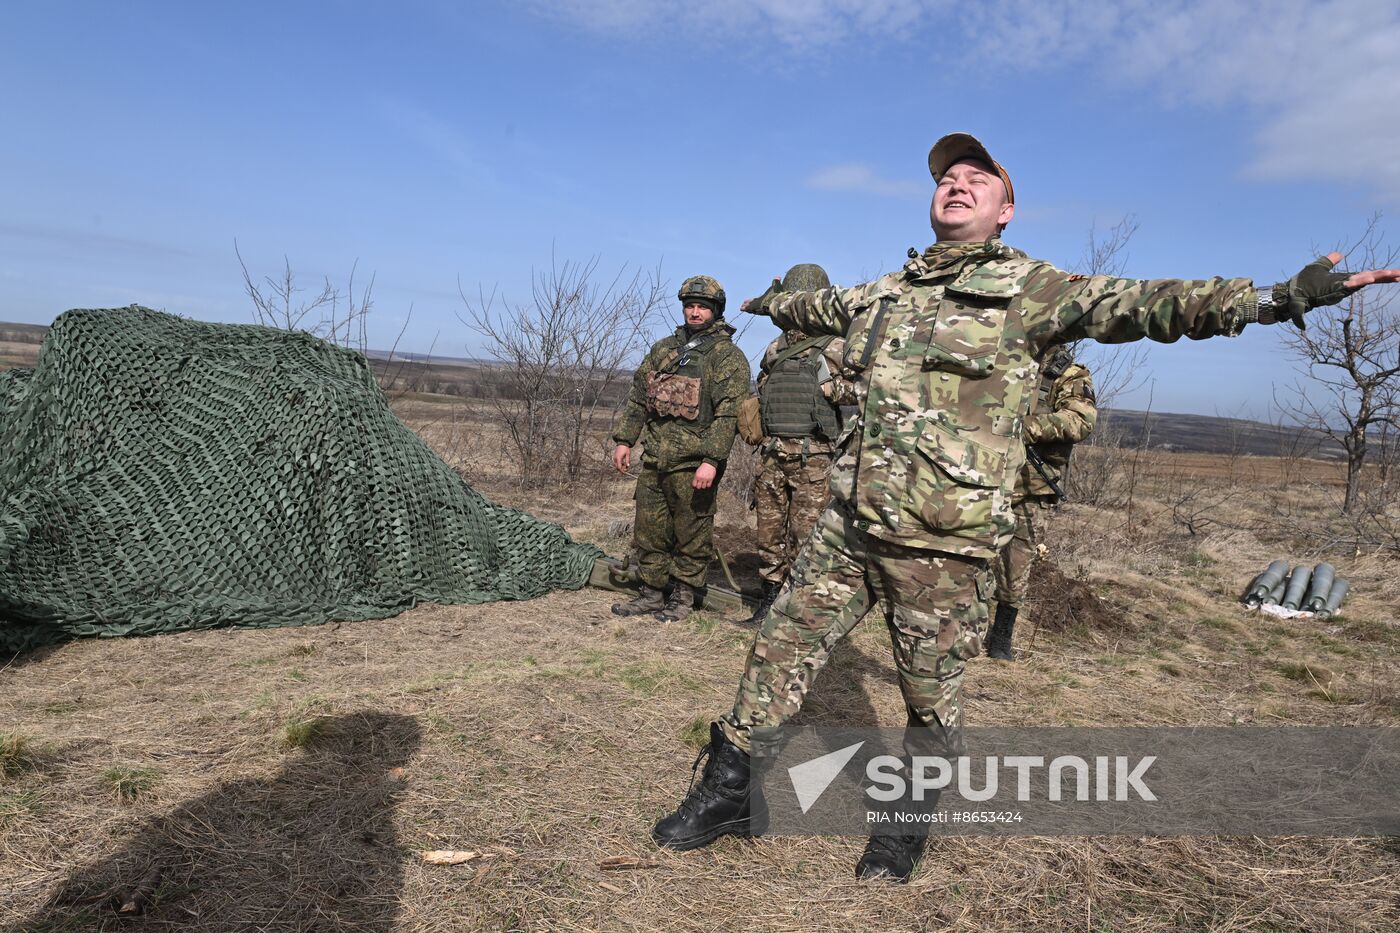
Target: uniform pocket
pixel 961 489
pixel 962 338
pixel 964 460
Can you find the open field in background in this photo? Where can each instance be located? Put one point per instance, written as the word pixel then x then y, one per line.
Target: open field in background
pixel 547 736
pixel 480 379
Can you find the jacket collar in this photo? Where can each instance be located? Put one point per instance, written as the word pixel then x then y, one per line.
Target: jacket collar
pixel 948 258
pixel 716 328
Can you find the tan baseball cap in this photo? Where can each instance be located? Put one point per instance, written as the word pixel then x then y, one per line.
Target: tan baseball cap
pixel 955 147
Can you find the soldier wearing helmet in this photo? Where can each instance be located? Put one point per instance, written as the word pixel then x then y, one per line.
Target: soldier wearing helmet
pixel 800 394
pixel 683 409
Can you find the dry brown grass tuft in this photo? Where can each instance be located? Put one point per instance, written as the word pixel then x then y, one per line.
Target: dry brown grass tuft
pixel 16 754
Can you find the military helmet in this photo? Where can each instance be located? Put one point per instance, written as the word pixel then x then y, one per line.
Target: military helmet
pixel 705 290
pixel 805 277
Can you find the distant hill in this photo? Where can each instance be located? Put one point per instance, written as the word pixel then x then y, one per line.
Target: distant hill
pixel 1211 435
pixel 19 344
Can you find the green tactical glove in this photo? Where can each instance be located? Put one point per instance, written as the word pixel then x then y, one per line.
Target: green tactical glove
pixel 760 304
pixel 1314 286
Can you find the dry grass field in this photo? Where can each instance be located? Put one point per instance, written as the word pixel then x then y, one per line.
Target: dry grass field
pixel 290 779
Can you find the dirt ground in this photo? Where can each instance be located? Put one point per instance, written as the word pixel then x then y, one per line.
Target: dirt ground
pixel 291 779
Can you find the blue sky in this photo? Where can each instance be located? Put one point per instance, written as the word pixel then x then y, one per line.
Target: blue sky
pixel 438 143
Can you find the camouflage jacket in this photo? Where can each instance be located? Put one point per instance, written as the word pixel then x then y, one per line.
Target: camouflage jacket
pixel 674 443
pixel 944 351
pixel 1062 414
pixel 843 392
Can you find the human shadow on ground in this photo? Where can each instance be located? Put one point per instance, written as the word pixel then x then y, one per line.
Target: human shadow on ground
pixel 311 848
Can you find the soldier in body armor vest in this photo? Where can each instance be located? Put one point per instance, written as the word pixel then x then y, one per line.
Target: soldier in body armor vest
pixel 683 407
pixel 1062 414
pixel 801 393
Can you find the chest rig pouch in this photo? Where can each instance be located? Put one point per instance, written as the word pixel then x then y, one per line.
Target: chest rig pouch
pixel 673 388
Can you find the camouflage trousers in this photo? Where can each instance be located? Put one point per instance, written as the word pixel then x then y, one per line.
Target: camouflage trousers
pixel 934 605
pixel 789 495
pixel 1013 562
pixel 673 534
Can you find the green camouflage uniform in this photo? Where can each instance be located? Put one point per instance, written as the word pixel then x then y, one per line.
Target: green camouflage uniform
pixel 672 534
pixel 791 488
pixel 1062 414
pixel 944 351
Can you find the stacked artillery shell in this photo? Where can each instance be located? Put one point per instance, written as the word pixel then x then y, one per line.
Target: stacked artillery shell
pixel 1297 587
pixel 1312 589
pixel 1264 584
pixel 1334 599
pixel 1321 585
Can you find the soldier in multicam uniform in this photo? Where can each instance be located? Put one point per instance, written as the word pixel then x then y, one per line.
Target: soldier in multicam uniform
pixel 682 406
pixel 944 351
pixel 1062 414
pixel 801 392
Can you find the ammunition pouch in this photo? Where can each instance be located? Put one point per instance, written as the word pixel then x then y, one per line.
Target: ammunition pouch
pixel 751 420
pixel 673 395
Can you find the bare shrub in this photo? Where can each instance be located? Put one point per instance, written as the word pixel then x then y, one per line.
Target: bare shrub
pixel 1198 506
pixel 334 315
pixel 1098 477
pixel 560 362
pixel 1352 361
pixel 1117 369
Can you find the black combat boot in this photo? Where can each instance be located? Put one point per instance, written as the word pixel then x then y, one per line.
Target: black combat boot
pixel 648 601
pixel 716 806
pixel 999 638
pixel 891 858
pixel 894 850
pixel 894 854
pixel 678 604
pixel 765 602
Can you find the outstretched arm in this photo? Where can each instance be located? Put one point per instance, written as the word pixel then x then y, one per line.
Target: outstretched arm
pixel 825 311
pixel 1061 307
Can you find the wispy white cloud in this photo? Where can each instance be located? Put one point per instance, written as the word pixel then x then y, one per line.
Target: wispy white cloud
pixel 853 176
pixel 1318 79
pixel 796 23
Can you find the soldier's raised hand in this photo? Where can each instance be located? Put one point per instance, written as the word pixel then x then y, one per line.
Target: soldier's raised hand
pixel 760 304
pixel 1317 285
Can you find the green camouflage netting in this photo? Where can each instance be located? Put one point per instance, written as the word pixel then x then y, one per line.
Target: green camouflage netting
pixel 161 474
